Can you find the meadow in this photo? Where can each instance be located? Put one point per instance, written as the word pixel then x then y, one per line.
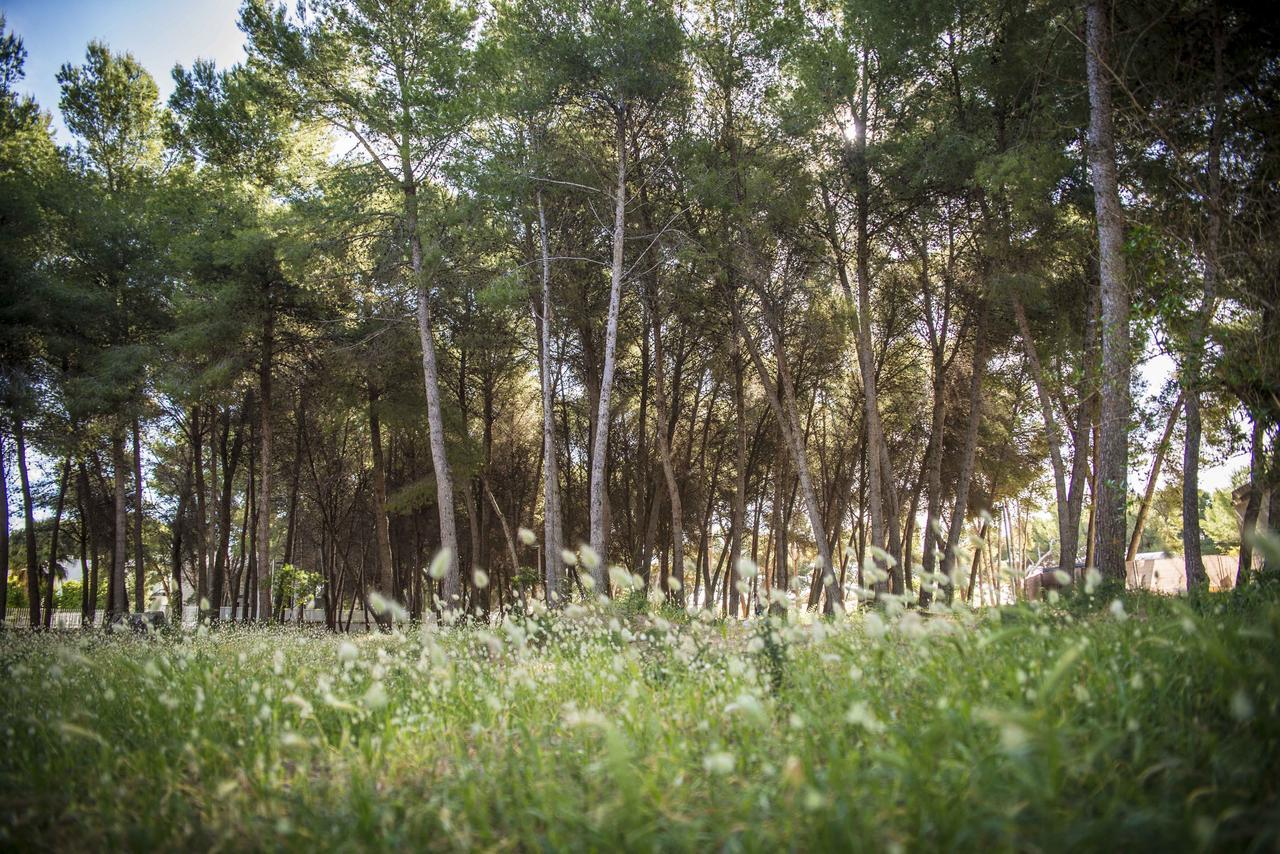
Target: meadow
pixel 1096 722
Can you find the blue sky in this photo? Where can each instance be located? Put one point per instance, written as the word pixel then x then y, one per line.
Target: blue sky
pixel 159 33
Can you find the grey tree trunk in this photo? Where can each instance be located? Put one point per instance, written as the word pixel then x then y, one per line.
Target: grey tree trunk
pixel 452 586
pixel 1113 449
pixel 553 571
pixel 598 497
pixel 29 530
pixel 118 605
pixel 139 568
pixel 674 593
pixel 201 522
pixel 4 534
pixel 739 484
pixel 1054 437
pixel 263 521
pixel 1192 369
pixel 969 453
pixel 781 398
pixel 381 528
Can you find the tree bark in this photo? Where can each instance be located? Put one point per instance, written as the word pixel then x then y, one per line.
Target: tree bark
pixel 452 586
pixel 202 517
pixel 598 497
pixel 675 593
pixel 781 398
pixel 738 525
pixel 382 529
pixel 1054 437
pixel 53 540
pixel 118 605
pixel 29 532
pixel 1113 451
pixel 553 571
pixel 969 453
pixel 1192 370
pixel 4 536
pixel 139 568
pixel 263 501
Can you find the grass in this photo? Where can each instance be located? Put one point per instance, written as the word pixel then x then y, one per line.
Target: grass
pixel 1047 727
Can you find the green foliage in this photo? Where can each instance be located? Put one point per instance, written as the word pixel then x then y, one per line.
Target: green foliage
pixel 1136 722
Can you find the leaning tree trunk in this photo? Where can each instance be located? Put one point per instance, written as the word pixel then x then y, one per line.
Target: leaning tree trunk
pixel 452 587
pixel 1066 562
pixel 1157 463
pixel 781 398
pixel 598 495
pixel 29 519
pixel 1113 450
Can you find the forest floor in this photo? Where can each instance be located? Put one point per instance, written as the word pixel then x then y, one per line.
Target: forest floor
pixel 1097 723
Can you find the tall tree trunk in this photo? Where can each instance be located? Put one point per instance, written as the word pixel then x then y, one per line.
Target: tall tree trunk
pixel 139 568
pixel 781 398
pixel 1081 436
pixel 53 540
pixel 29 531
pixel 598 495
pixel 382 529
pixel 119 599
pixel 553 571
pixel 4 536
pixel 1113 452
pixel 202 516
pixel 89 530
pixel 179 544
pixel 675 592
pixel 263 501
pixel 230 462
pixel 969 453
pixel 452 587
pixel 1066 562
pixel 738 526
pixel 1192 368
pixel 933 504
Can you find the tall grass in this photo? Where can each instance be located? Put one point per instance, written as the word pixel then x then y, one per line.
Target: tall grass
pixel 1151 724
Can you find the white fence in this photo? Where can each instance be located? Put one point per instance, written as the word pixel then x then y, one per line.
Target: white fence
pixel 20 618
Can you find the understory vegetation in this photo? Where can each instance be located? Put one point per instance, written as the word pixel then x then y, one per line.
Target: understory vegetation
pixel 1091 722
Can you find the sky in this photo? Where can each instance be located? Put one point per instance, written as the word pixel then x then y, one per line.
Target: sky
pixel 159 33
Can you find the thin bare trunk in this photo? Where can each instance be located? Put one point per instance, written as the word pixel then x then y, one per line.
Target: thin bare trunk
pixel 1157 462
pixel 598 497
pixel 553 572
